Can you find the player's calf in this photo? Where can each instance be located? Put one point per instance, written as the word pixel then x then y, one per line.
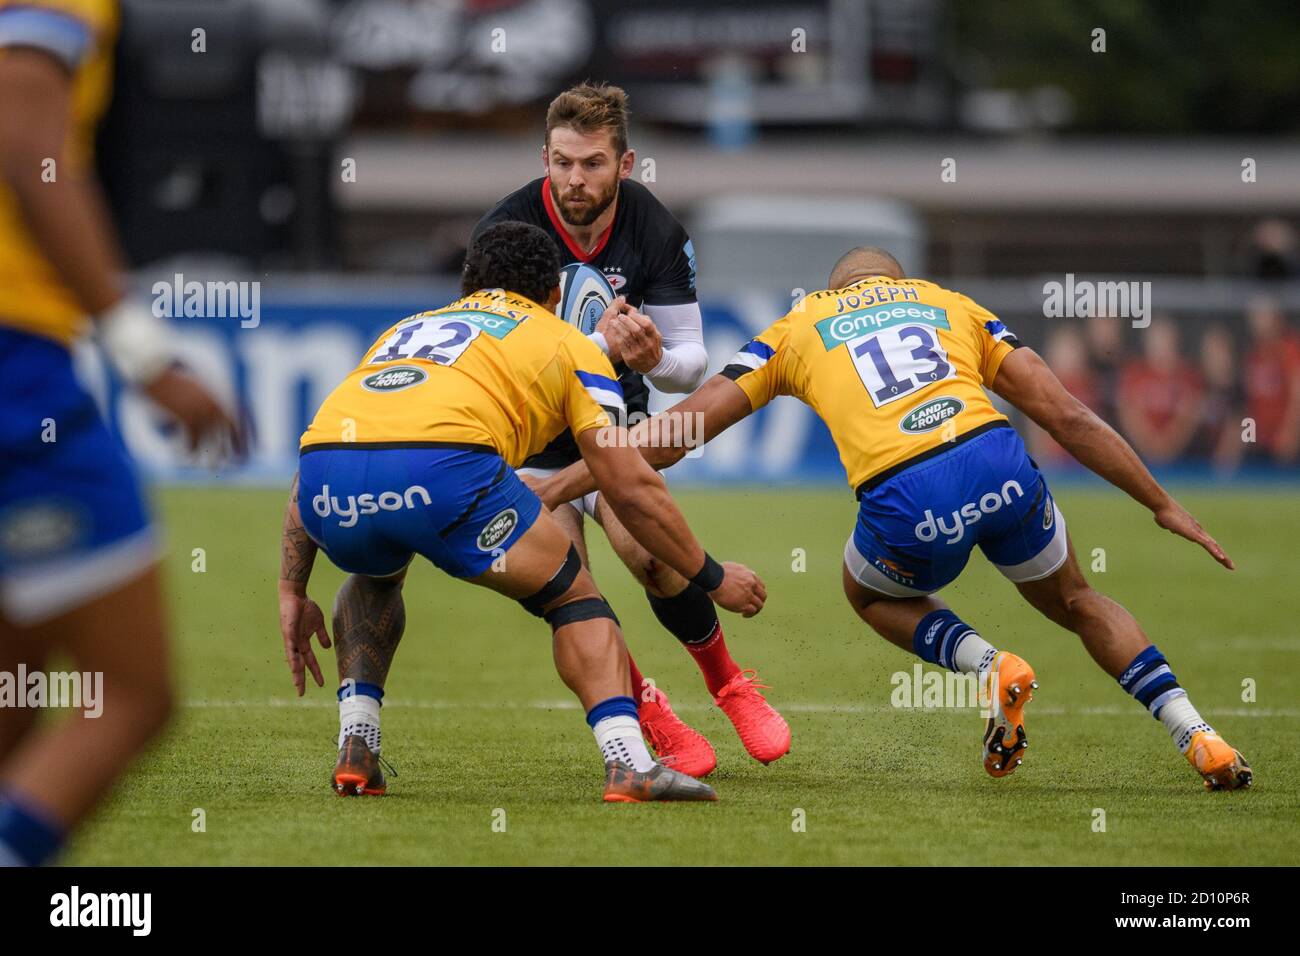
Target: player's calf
pixel 369 619
pixel 1117 643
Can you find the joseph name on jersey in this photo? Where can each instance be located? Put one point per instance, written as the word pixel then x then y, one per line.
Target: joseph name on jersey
pixel 895 367
pixel 492 370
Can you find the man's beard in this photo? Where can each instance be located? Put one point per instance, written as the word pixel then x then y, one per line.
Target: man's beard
pixel 587 214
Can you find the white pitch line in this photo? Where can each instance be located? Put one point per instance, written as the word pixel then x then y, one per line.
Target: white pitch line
pixel 796 708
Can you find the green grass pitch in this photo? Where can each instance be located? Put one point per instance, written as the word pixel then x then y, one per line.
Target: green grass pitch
pixel 482 731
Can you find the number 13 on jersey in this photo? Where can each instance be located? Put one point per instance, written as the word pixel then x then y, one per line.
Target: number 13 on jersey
pixel 895 362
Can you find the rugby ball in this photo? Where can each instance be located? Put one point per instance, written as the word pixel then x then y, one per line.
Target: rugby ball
pixel 585 294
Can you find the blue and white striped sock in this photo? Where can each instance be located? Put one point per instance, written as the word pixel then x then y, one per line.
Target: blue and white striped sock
pixel 618 733
pixel 1150 682
pixel 945 639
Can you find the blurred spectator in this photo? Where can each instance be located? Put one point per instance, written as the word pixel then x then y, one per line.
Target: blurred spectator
pixel 1272 380
pixel 1066 354
pixel 1218 438
pixel 1159 398
pixel 1273 251
pixel 1105 335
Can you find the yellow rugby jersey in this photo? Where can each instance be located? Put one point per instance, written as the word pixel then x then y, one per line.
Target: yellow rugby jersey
pixel 894 367
pixel 492 369
pixel 80 35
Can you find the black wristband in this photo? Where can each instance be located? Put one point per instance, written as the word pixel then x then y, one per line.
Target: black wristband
pixel 709 577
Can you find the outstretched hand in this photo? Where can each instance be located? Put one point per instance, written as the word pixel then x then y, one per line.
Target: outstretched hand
pixel 300 619
pixel 1174 517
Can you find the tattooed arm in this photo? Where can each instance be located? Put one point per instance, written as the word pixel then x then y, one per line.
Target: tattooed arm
pixel 297 550
pixel 300 616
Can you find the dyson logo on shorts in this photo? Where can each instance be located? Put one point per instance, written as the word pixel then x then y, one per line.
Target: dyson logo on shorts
pixel 353 506
pixel 969 513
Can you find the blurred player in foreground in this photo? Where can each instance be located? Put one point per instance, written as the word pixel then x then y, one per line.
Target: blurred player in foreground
pixel 896 369
pixel 78 560
pixel 415 454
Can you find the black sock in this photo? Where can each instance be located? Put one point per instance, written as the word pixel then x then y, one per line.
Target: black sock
pixel 690 616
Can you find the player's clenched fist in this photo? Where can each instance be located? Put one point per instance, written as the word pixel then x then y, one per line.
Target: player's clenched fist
pixel 741 591
pixel 637 339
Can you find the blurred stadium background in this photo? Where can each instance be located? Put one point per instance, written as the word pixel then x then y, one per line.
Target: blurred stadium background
pixel 338 152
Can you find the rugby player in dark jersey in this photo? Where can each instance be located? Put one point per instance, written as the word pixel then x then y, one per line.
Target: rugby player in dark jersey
pixel 596 214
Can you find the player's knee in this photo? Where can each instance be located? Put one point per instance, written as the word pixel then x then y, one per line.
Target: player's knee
pixel 365 584
pixel 588 608
pixel 659 579
pixel 571 582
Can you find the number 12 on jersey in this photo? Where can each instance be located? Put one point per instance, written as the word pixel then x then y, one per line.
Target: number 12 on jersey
pixel 895 362
pixel 436 340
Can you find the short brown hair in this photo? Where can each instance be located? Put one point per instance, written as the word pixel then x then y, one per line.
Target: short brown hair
pixel 589 108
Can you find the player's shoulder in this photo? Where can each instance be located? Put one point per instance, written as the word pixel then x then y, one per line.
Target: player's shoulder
pixel 582 351
pixel 642 206
pixel 523 205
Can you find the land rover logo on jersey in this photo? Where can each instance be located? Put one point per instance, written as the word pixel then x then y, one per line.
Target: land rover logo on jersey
pixel 928 417
pixel 394 379
pixel 498 529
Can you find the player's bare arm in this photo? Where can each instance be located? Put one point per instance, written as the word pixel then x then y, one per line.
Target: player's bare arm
pixel 717 405
pixel 300 616
pixel 1025 381
pixel 641 501
pixel 67 219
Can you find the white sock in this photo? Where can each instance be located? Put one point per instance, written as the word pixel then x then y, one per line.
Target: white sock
pixel 1181 720
pixel 619 738
pixel 974 655
pixel 359 714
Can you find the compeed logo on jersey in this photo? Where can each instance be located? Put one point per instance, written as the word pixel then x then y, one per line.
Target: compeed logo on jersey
pixel 495 325
pixel 839 329
pixel 930 415
pixel 394 379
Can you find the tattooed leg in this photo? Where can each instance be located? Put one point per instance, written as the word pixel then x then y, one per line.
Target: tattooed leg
pixel 369 618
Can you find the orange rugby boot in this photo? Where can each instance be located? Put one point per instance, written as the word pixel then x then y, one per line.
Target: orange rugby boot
pixel 1222 767
pixel 1009 686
